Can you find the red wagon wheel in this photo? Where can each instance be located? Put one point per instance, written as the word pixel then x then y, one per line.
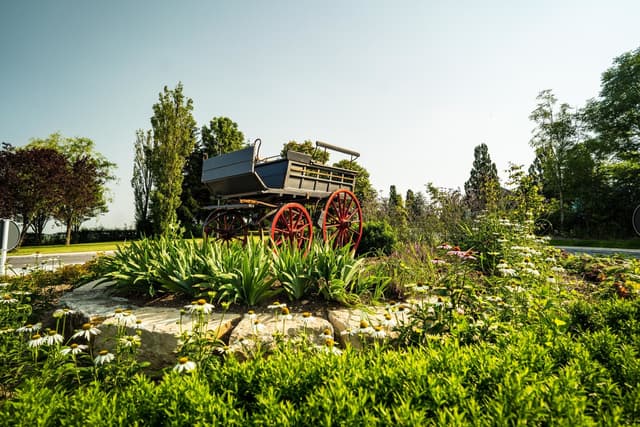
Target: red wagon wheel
pixel 292 224
pixel 342 219
pixel 226 226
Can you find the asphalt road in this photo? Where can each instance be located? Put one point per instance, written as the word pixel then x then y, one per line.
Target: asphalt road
pixel 47 261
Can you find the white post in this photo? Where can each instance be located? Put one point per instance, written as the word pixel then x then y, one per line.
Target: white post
pixel 5 244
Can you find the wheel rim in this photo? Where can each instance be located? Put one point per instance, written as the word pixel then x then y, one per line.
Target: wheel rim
pixel 292 224
pixel 342 219
pixel 225 226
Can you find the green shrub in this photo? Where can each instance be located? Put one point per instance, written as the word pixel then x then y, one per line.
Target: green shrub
pixel 378 238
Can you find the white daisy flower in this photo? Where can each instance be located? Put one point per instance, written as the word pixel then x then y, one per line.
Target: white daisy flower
pixel 125 317
pixel 53 338
pixel 285 313
pixel 30 328
pixel 103 357
pixel 551 280
pixel 378 332
pixel 36 341
pixel 130 341
pixel 307 317
pixel 8 299
pixel 184 365
pixel 258 327
pixel 276 305
pixel 326 335
pixel 365 329
pixel 223 349
pixel 74 349
pixel 87 331
pixel 389 321
pixel 330 347
pixel 200 306
pixel 422 289
pixel 557 269
pixel 251 314
pixel 507 271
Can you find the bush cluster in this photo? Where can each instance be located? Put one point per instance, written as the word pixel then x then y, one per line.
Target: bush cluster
pixel 249 274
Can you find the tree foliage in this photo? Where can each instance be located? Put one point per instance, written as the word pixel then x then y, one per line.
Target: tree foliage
pixel 81 196
pixel 615 115
pixel 483 183
pixel 307 147
pixel 221 136
pixel 554 135
pixel 363 189
pixel 174 134
pixel 142 179
pixel 30 184
pixel 83 192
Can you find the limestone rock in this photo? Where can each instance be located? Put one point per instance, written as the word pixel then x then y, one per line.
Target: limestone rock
pixel 353 326
pixel 159 328
pixel 262 331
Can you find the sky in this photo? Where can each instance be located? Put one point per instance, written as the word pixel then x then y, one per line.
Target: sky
pixel 413 86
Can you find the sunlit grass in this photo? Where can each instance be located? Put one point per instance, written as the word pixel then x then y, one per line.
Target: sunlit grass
pixel 59 249
pixel 620 244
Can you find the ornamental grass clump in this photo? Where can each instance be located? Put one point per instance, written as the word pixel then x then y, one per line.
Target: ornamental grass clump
pixel 292 268
pixel 249 279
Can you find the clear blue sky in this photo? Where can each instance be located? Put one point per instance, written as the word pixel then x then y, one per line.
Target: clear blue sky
pixel 412 85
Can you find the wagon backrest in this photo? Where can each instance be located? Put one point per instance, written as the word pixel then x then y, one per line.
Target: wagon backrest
pixel 232 173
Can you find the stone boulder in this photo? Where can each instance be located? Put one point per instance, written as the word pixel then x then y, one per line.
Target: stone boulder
pixel 261 332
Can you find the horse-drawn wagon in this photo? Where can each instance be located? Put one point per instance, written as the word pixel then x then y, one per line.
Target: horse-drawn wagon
pixel 287 195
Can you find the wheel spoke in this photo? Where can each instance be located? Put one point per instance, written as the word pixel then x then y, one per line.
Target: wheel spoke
pixel 342 221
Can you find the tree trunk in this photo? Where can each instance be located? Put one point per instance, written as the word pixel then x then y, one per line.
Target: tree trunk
pixel 68 241
pixel 561 197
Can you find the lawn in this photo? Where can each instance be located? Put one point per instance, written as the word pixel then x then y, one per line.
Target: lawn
pixel 77 247
pixel 593 243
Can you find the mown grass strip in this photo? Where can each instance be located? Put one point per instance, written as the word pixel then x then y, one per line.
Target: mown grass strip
pixel 620 244
pixel 60 249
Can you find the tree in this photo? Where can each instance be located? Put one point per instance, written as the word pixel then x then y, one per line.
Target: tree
pixel 75 148
pixel 306 147
pixel 555 134
pixel 142 180
pixel 221 136
pixel 396 211
pixel 615 115
pixel 87 167
pixel 174 134
pixel 483 183
pixel 30 184
pixel 416 205
pixel 362 189
pixel 81 195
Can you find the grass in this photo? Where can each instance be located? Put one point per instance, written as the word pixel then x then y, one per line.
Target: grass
pixel 592 243
pixel 60 249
